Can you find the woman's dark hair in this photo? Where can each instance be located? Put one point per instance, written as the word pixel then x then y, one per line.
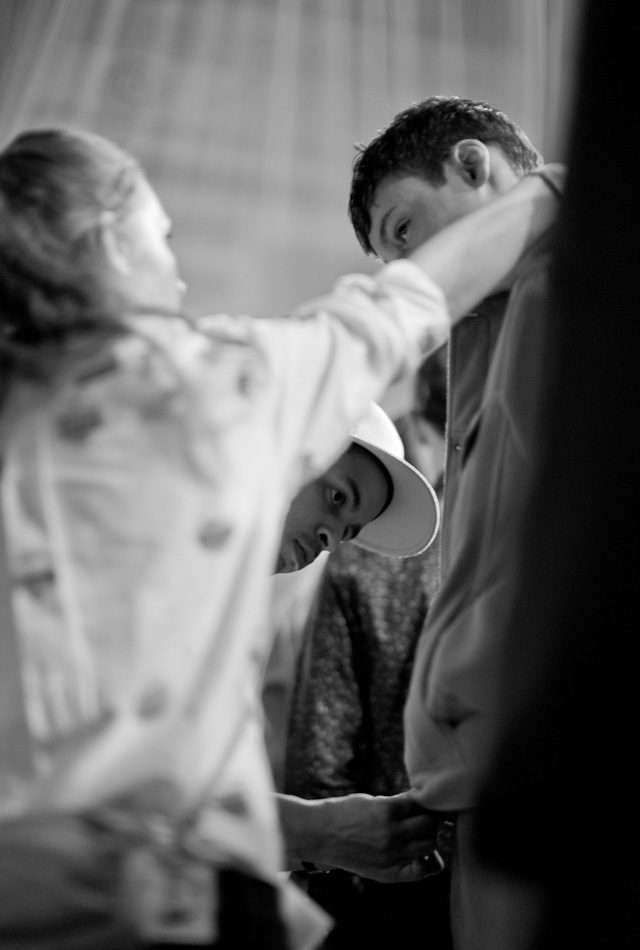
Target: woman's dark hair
pixel 55 186
pixel 418 142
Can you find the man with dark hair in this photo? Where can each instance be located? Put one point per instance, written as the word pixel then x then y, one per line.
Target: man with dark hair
pixel 420 143
pixel 436 162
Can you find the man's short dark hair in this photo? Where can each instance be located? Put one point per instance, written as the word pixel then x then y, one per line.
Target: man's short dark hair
pixel 418 142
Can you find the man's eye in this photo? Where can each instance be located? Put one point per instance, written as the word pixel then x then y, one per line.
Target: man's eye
pixel 401 231
pixel 336 497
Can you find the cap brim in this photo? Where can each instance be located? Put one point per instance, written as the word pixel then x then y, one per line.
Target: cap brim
pixel 410 523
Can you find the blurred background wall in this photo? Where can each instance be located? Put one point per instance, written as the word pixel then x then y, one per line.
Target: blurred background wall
pixel 245 112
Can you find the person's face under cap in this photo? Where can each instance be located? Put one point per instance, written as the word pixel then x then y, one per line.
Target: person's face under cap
pixel 333 508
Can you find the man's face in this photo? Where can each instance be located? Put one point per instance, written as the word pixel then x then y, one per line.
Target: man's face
pixel 333 508
pixel 406 211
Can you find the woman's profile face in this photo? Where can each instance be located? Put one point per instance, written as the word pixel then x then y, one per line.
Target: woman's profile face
pixel 147 266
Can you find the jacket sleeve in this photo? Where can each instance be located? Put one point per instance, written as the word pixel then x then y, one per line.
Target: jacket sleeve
pixel 339 352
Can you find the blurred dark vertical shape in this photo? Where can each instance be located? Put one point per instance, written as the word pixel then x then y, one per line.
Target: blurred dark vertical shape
pixel 560 812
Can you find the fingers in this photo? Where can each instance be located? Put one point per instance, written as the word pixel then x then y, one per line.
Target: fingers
pixel 421 829
pixel 425 866
pixel 405 805
pixel 408 871
pixel 401 826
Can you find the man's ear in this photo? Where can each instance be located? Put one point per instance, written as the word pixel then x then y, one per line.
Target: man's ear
pixel 472 161
pixel 114 243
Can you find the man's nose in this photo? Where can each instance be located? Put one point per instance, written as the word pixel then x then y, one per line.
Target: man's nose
pixel 329 536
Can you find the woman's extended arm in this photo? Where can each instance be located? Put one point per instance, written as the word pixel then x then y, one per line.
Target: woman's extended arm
pixel 473 256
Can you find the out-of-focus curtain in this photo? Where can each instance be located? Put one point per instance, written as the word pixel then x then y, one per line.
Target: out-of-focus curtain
pixel 245 112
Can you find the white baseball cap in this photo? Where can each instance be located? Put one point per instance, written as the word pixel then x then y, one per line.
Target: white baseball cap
pixel 409 523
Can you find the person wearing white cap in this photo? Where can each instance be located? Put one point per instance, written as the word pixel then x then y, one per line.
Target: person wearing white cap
pixel 371 496
pixel 342 722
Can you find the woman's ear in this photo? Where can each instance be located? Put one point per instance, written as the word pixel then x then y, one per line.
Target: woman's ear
pixel 472 161
pixel 114 243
